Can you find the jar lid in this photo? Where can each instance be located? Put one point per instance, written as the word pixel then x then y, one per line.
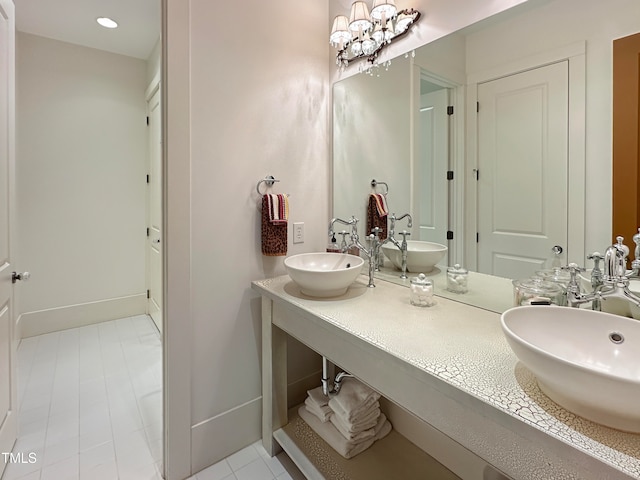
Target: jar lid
pixel 538 286
pixel 556 275
pixel 457 270
pixel 420 280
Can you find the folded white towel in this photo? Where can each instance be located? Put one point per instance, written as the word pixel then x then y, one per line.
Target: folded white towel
pixel 363 434
pixel 382 429
pixel 353 399
pixel 346 448
pixel 317 397
pixel 365 423
pixel 323 413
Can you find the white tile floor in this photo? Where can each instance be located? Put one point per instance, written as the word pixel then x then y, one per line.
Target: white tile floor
pixel 90 403
pixel 251 463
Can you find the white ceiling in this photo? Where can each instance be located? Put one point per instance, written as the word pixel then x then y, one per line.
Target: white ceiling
pixel 74 21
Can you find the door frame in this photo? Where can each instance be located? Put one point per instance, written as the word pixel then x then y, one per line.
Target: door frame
pixel 10 424
pixel 575 54
pixel 456 160
pixel 154 88
pixel 176 228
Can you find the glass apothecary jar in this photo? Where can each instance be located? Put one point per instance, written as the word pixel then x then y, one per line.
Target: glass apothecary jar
pixel 536 291
pixel 559 277
pixel 421 291
pixel 457 279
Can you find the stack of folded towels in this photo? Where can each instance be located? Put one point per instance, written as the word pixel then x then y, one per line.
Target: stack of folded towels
pixel 350 421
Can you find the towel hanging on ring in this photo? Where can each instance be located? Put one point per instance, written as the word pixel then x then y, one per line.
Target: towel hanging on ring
pixel 275 215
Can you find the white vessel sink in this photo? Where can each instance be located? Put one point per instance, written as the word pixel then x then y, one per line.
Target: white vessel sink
pixel 614 305
pixel 421 256
pixel 323 274
pixel 588 362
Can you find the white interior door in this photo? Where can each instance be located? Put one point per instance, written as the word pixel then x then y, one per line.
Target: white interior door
pixel 8 342
pixel 154 239
pixel 432 188
pixel 523 170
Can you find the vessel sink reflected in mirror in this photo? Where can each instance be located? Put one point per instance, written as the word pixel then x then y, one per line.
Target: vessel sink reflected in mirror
pixel 421 256
pixel 323 274
pixel 586 361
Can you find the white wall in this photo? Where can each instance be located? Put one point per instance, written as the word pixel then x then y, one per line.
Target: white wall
pixel 554 25
pixel 81 149
pixel 256 105
pixel 372 127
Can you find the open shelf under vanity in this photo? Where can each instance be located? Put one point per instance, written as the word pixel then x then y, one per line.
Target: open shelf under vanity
pixel 391 457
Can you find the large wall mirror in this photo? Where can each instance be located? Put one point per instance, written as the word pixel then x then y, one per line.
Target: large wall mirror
pixel 531 165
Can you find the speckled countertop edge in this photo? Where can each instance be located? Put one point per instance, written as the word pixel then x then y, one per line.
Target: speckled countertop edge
pixel 464 347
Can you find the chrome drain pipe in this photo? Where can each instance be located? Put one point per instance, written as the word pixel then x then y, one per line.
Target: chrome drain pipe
pixel 327 389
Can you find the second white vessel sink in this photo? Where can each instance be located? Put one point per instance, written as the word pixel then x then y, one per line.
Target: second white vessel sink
pixel 421 256
pixel 586 361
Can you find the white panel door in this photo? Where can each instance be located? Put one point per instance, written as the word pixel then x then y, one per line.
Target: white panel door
pixel 154 240
pixel 431 171
pixel 8 398
pixel 523 170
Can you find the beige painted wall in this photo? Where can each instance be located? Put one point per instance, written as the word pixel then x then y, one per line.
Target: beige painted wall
pixel 256 106
pixel 81 149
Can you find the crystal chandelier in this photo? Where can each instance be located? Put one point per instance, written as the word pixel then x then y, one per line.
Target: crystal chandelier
pixel 364 34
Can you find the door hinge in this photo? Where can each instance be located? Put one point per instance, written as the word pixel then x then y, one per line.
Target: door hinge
pixel 477 237
pixel 477 106
pixel 476 173
pixel 147 119
pixel 449 174
pixel 449 235
pixel 148 178
pixel 148 232
pixel 148 293
pixel 450 110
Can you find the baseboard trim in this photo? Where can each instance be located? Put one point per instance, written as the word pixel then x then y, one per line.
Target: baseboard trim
pixel 241 426
pixel 50 320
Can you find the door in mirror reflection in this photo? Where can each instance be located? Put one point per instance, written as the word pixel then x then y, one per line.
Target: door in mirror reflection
pixel 523 153
pixel 432 202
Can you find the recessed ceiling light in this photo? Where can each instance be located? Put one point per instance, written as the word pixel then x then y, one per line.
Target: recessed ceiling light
pixel 107 22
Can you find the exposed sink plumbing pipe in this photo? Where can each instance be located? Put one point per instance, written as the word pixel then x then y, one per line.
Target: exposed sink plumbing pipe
pixel 326 388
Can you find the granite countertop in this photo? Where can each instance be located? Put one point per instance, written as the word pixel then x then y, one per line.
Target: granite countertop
pixel 464 347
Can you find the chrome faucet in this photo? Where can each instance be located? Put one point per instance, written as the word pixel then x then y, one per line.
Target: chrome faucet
pixel 615 283
pixel 355 242
pixel 402 246
pixel 635 265
pixel 371 253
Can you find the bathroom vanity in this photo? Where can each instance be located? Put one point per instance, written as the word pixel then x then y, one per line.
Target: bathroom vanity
pixel 450 367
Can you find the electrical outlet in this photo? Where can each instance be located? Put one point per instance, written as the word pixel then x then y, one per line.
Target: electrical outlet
pixel 298 232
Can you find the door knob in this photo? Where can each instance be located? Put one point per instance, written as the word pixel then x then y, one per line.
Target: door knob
pixel 24 276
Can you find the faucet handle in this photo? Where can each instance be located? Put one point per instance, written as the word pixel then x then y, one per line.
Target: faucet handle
pixel 574 269
pixel 404 234
pixel 597 257
pixel 621 246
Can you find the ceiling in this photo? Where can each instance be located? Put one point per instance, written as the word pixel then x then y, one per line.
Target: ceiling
pixel 74 21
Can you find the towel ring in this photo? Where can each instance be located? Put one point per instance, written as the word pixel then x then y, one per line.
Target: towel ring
pixel 268 180
pixel 375 183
